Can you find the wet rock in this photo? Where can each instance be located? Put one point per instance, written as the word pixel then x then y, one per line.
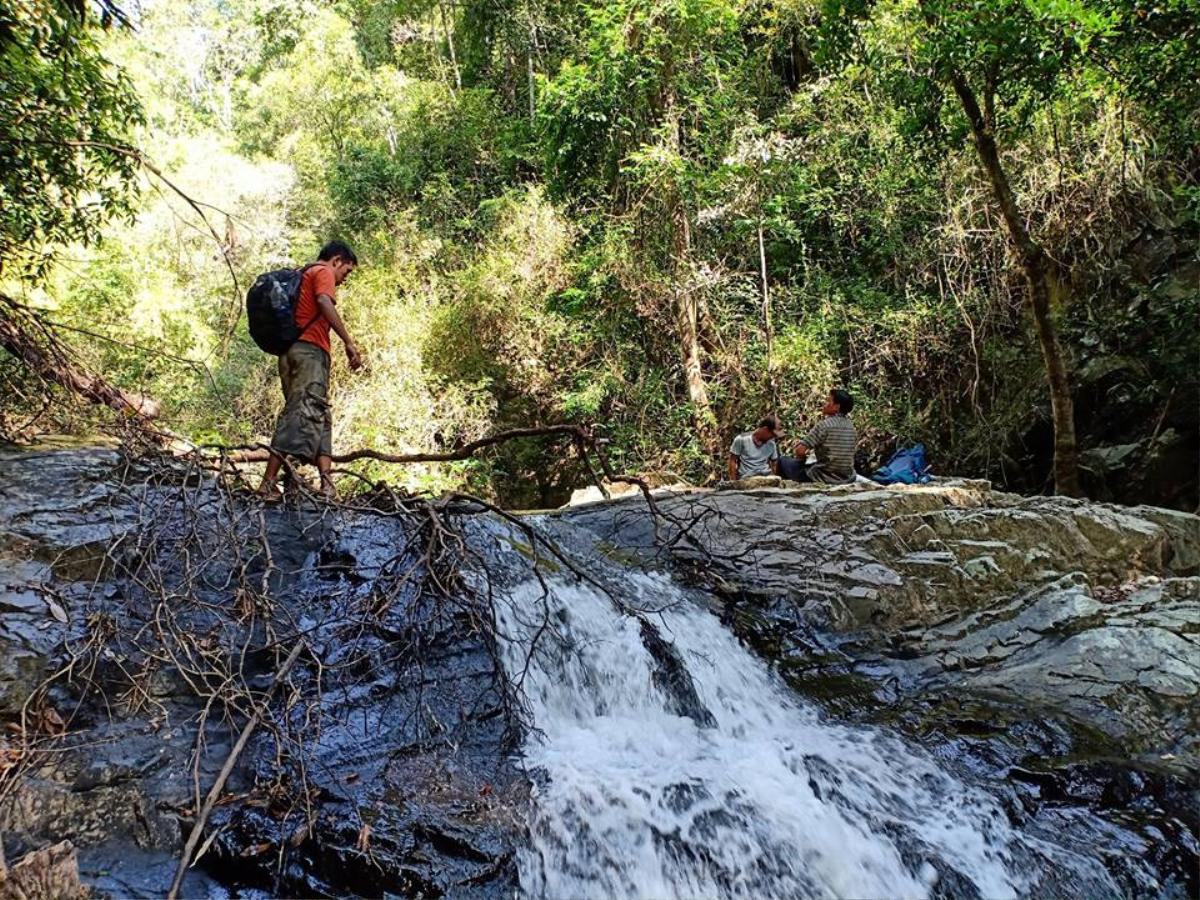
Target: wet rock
pixel 672 678
pixel 49 872
pixel 1128 666
pixel 120 870
pixel 413 746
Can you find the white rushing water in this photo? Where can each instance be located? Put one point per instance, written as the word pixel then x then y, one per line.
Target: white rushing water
pixel 634 800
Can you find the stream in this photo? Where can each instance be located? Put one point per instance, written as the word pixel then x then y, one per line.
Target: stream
pixel 765 797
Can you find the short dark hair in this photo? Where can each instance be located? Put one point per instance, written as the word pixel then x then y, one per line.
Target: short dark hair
pixel 771 422
pixel 335 250
pixel 843 399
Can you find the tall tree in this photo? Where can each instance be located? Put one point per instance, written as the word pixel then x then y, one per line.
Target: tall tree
pixel 1002 59
pixel 1005 61
pixel 635 118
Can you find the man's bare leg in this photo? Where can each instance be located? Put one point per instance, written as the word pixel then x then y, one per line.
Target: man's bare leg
pixel 324 465
pixel 267 490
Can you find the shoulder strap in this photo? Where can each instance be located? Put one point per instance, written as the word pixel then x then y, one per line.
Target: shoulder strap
pixel 313 321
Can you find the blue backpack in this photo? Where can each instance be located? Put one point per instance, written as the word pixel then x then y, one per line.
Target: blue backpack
pixel 907 466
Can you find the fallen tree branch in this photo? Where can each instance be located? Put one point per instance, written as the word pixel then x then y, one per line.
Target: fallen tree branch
pixel 214 792
pixel 197 366
pixel 587 445
pixel 260 452
pixel 583 436
pixel 30 340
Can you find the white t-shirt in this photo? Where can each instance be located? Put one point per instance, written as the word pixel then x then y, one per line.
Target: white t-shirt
pixel 753 459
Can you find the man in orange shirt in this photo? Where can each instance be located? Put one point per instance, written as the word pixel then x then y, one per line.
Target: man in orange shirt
pixel 305 427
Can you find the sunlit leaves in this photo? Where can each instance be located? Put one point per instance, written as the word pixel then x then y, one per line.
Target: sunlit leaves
pixel 603 113
pixel 64 113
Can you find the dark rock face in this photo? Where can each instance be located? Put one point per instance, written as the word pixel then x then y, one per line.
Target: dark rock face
pixel 1158 468
pixel 382 764
pixel 1045 642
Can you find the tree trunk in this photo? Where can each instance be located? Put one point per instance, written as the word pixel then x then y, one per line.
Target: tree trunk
pixel 768 330
pixel 687 309
pixel 450 46
pixel 530 82
pixel 687 323
pixel 529 71
pixel 1045 287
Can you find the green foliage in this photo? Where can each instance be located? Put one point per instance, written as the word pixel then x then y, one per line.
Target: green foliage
pixel 605 111
pixel 497 332
pixel 1153 50
pixel 530 184
pixel 64 114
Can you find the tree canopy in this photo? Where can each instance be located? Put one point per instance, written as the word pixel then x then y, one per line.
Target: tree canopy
pixel 667 217
pixel 65 111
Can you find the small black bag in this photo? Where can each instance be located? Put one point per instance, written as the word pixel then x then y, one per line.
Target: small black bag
pixel 271 310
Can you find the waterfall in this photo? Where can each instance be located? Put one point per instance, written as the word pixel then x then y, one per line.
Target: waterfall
pixel 762 796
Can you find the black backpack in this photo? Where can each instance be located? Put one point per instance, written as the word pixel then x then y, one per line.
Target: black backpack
pixel 271 310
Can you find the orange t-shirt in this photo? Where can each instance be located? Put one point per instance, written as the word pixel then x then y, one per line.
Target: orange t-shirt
pixel 317 280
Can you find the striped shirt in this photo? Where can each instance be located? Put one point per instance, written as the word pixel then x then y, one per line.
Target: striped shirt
pixel 834 439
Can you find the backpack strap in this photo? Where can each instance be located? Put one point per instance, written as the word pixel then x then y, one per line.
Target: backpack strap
pixel 318 314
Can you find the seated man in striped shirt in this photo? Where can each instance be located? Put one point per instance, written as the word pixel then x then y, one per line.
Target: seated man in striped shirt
pixel 832 440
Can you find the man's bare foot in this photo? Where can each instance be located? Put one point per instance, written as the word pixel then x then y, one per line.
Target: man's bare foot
pixel 328 491
pixel 268 493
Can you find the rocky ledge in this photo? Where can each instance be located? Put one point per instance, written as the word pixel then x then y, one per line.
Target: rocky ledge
pixel 1082 610
pixel 144 613
pixel 1051 646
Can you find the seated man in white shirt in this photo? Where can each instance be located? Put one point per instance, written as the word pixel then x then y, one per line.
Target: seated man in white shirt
pixel 755 452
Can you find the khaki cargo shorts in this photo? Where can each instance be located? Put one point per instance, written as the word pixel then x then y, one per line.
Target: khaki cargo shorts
pixel 305 428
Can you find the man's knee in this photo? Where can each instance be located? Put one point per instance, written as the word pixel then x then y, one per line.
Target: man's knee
pixel 793 469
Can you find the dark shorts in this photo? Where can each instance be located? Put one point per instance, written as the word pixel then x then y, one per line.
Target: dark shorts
pixel 794 469
pixel 305 427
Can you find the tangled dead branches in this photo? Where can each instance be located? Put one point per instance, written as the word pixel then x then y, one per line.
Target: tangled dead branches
pixel 206 606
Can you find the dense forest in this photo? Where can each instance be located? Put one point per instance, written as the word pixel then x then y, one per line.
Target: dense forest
pixel 663 218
